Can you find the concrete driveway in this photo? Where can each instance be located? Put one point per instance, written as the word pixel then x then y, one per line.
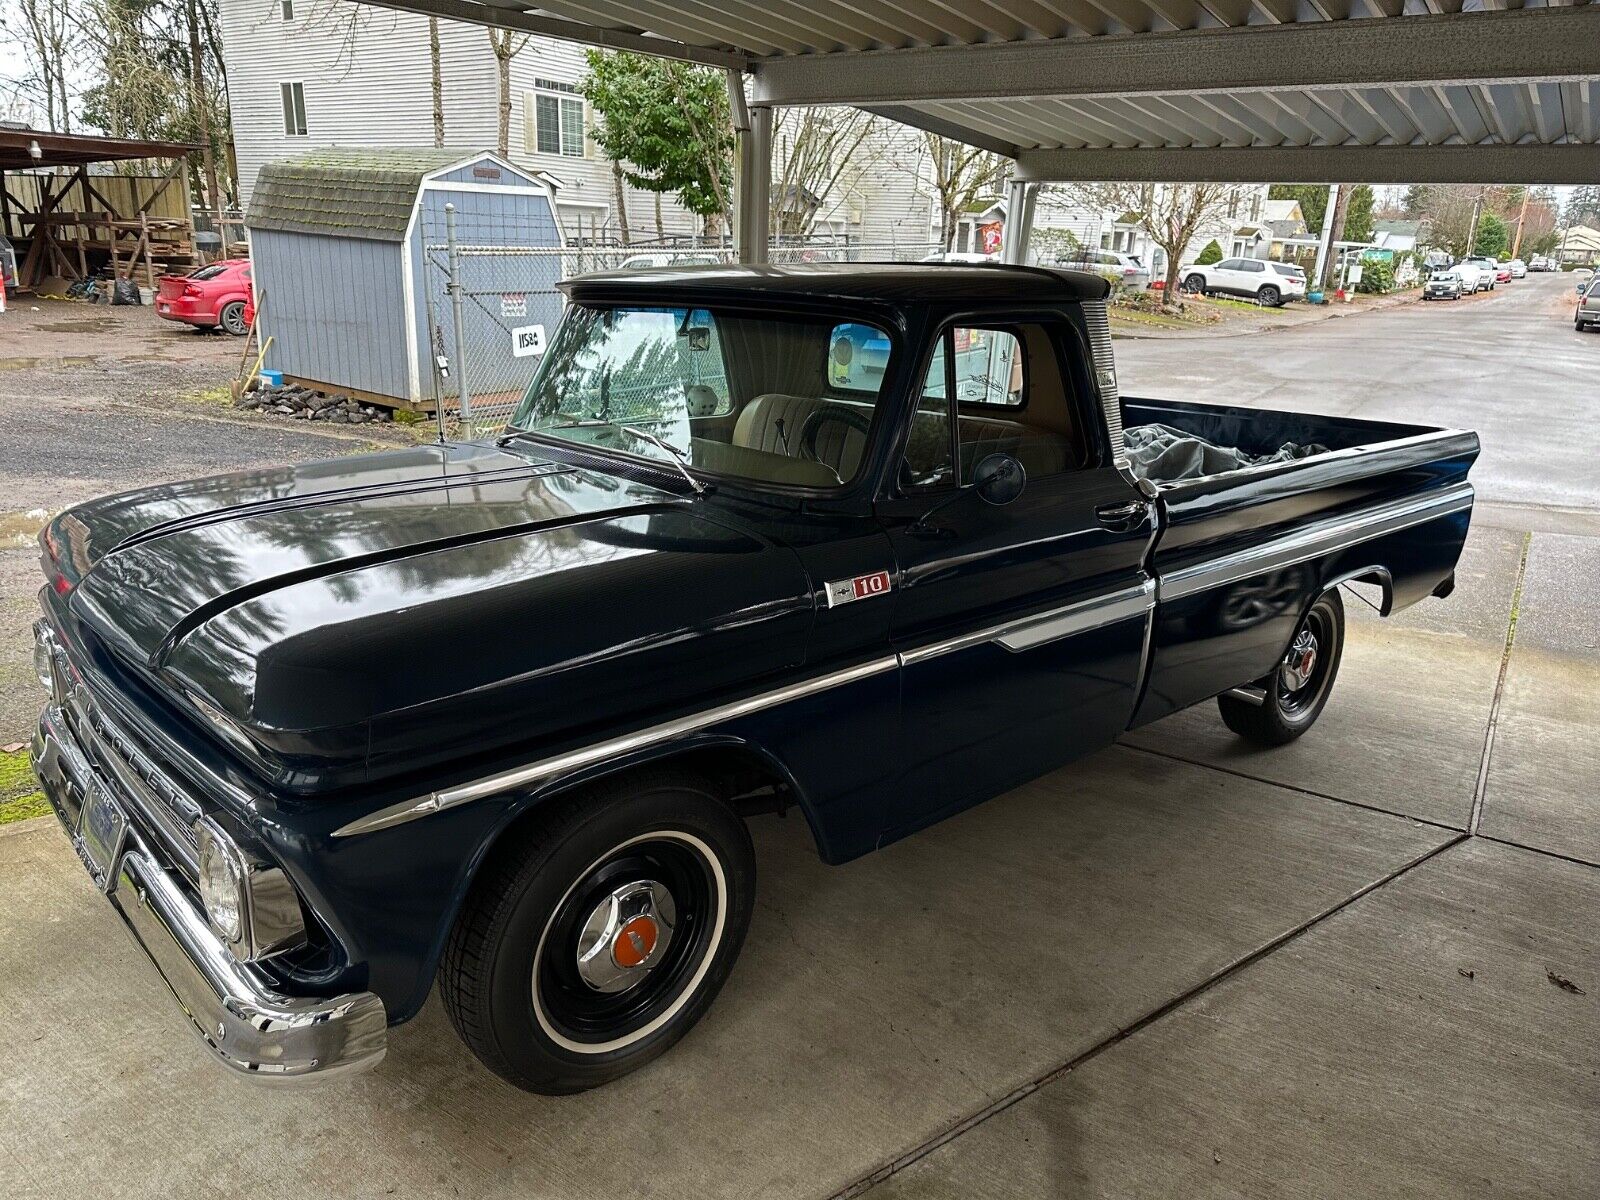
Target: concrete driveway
pixel 1362 965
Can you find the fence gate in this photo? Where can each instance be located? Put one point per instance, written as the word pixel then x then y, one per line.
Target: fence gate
pixel 491 308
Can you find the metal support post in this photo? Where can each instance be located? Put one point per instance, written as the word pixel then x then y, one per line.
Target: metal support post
pixel 460 320
pixel 1019 221
pixel 753 189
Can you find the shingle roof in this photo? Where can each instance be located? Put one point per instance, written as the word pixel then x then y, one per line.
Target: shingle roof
pixel 345 192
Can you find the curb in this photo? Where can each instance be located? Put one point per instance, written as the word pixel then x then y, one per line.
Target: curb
pixel 1335 312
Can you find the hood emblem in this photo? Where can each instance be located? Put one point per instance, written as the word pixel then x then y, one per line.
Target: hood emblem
pixel 862 587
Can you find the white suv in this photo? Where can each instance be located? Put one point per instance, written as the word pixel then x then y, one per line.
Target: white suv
pixel 1269 283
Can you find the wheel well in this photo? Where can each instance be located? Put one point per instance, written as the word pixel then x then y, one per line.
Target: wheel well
pixel 1377 576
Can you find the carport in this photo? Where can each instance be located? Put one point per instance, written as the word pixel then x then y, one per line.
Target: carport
pixel 1229 91
pixel 72 221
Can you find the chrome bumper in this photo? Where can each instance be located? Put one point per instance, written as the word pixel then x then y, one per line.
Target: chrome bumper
pixel 248 1026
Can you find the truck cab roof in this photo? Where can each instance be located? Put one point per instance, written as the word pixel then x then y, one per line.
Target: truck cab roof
pixel 890 282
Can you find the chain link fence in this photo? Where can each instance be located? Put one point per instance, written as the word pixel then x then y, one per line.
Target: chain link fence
pixel 492 306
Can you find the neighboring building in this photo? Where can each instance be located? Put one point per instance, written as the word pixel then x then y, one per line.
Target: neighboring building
pixel 1580 245
pixel 1398 236
pixel 304 74
pixel 1060 223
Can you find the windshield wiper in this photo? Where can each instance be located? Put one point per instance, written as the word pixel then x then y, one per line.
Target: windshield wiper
pixel 679 456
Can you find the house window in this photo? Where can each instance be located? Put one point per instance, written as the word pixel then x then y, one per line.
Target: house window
pixel 288 10
pixel 294 109
pixel 558 119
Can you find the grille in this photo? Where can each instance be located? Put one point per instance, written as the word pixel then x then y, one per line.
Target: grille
pixel 160 806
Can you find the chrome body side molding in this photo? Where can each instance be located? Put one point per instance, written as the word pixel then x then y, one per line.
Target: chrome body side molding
pixel 641 739
pixel 1037 629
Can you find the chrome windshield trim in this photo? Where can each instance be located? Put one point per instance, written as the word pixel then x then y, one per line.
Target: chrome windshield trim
pixel 1037 629
pixel 574 760
pixel 1297 547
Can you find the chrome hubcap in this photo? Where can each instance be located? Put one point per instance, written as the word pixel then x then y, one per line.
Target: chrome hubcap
pixel 1301 660
pixel 625 936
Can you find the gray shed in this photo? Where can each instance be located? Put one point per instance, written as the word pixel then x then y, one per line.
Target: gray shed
pixel 348 249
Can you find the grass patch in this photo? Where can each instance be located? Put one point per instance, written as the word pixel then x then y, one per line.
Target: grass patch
pixel 220 396
pixel 20 797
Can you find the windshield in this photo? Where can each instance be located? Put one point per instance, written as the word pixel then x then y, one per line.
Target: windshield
pixel 771 399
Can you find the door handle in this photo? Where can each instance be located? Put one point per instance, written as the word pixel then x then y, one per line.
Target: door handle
pixel 1119 518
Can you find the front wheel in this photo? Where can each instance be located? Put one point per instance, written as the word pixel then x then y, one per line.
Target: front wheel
pixel 599 932
pixel 1194 284
pixel 1298 688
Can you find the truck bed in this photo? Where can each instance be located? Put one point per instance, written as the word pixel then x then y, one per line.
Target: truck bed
pixel 1386 503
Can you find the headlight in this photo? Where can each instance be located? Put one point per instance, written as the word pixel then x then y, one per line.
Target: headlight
pixel 251 904
pixel 222 882
pixel 44 663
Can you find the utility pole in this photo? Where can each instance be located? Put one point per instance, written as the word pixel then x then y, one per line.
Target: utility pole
pixel 202 110
pixel 1340 205
pixel 1324 239
pixel 1472 229
pixel 1522 219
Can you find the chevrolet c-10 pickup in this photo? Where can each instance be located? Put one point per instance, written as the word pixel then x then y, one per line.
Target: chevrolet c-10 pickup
pixel 867 542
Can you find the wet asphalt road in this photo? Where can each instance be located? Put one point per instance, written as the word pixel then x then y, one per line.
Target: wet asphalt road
pixel 1507 364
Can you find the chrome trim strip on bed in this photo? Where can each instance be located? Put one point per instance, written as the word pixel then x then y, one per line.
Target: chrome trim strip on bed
pixel 1309 543
pixel 573 760
pixel 1040 628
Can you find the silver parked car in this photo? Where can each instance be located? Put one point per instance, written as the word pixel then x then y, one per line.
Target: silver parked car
pixel 1121 270
pixel 1588 306
pixel 1444 285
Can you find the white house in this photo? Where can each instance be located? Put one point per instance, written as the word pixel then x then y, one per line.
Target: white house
pixel 1580 245
pixel 310 73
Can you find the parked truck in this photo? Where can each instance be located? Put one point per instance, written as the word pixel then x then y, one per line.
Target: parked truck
pixel 494 715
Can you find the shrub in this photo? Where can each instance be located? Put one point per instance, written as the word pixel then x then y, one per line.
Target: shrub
pixel 1377 276
pixel 1211 254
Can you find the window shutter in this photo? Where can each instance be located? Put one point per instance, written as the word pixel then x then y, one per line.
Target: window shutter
pixel 530 128
pixel 590 150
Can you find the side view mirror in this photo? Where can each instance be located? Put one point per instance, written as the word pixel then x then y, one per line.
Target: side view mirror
pixel 999 478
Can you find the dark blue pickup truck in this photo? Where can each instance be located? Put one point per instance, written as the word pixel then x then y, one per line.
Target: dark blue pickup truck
pixel 868 542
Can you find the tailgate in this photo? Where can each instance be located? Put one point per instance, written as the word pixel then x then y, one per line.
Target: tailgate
pixel 1241 555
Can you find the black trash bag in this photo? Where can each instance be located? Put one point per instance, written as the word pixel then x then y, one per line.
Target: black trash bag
pixel 125 291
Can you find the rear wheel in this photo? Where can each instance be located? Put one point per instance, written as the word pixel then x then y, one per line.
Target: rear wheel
pixel 1270 296
pixel 1297 690
pixel 231 318
pixel 600 932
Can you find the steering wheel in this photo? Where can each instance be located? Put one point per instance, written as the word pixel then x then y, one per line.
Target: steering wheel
pixel 820 417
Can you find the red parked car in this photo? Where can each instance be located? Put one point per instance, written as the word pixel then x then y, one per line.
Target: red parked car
pixel 1502 273
pixel 214 295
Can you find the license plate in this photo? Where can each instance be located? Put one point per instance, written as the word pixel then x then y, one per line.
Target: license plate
pixel 102 828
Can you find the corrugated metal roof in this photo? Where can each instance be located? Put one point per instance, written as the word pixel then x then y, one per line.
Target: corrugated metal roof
pixel 1311 90
pixel 345 192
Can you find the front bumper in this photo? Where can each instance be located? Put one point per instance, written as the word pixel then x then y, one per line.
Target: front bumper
pixel 247 1025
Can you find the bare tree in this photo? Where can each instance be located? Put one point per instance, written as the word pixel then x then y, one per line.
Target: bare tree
pixel 436 77
pixel 962 174
pixel 815 150
pixel 1170 214
pixel 48 32
pixel 506 45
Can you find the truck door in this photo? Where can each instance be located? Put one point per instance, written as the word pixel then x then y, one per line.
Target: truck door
pixel 1020 626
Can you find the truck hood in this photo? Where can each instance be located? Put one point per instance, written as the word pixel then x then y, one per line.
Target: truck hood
pixel 348 620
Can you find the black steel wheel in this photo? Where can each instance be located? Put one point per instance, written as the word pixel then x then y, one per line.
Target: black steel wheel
pixel 1295 693
pixel 232 318
pixel 600 932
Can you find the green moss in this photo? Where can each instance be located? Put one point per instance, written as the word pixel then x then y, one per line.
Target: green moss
pixel 23 808
pixel 20 797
